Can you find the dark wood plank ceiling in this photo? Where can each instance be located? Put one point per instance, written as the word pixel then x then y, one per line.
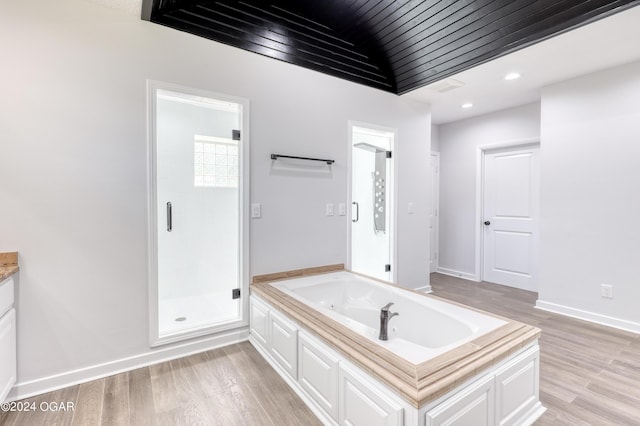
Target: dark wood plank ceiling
pixel 396 46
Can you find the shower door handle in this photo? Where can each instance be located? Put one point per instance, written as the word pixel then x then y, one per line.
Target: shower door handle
pixel 169 217
pixel 357 212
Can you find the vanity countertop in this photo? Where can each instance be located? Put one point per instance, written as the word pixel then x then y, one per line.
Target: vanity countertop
pixel 8 264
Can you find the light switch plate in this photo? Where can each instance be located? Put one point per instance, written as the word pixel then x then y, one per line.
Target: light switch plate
pixel 342 209
pixel 330 209
pixel 256 210
pixel 410 208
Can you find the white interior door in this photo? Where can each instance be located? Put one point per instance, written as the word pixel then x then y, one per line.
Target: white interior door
pixel 511 193
pixel 371 196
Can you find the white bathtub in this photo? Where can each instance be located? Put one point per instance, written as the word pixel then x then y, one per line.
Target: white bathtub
pixel 426 327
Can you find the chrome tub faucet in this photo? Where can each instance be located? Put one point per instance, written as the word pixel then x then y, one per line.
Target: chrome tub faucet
pixel 385 316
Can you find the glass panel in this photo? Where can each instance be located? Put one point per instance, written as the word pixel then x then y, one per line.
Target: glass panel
pixel 199 260
pixel 370 185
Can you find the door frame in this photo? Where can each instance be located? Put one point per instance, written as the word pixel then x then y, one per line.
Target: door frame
pixel 480 152
pixel 392 196
pixel 435 200
pixel 152 242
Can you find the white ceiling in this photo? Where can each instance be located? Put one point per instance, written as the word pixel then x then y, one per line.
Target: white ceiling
pixel 603 44
pixel 131 7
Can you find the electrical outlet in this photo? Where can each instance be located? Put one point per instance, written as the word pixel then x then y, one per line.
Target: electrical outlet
pixel 342 209
pixel 606 291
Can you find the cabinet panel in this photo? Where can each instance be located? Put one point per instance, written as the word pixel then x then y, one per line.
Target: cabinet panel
pixel 6 295
pixel 517 387
pixel 318 375
pixel 284 343
pixel 362 404
pixel 472 407
pixel 259 317
pixel 7 353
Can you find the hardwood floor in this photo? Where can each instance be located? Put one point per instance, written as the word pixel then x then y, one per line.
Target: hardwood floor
pixel 227 386
pixel 590 375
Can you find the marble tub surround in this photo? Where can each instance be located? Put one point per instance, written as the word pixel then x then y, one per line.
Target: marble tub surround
pixel 8 264
pixel 420 383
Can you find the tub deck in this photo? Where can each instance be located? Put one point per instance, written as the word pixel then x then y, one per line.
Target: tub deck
pixel 417 383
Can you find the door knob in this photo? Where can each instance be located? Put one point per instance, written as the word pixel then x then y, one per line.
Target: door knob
pixel 486 222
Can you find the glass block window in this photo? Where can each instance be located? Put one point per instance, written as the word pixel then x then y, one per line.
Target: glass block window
pixel 215 162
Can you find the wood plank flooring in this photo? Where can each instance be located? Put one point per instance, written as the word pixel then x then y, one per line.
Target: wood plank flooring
pixel 233 385
pixel 590 375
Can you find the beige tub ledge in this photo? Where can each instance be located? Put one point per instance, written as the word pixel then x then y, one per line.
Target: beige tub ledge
pixel 416 383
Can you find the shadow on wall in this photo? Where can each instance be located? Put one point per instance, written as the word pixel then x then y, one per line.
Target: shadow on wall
pixel 294 167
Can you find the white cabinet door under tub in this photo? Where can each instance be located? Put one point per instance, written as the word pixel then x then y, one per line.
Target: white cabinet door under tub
pixel 509 396
pixel 474 406
pixel 318 374
pixel 259 323
pixel 363 403
pixel 7 339
pixel 283 336
pixel 517 388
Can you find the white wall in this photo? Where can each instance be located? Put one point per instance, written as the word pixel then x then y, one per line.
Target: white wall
pixel 73 172
pixel 435 138
pixel 590 196
pixel 458 142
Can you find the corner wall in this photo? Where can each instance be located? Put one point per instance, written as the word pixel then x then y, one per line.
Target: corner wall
pixel 458 142
pixel 590 197
pixel 73 167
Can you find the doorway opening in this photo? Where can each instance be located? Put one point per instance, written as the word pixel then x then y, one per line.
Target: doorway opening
pixel 509 215
pixel 372 201
pixel 198 229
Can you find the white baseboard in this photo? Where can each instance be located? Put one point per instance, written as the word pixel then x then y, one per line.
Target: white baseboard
pixel 30 388
pixel 457 274
pixel 589 316
pixel 424 289
pixel 534 414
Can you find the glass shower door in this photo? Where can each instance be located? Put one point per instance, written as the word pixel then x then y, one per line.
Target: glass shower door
pixel 198 154
pixel 371 193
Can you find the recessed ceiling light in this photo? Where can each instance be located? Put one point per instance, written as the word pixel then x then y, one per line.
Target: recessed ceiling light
pixel 512 76
pixel 467 105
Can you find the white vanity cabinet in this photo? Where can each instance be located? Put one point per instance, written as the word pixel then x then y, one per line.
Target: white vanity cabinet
pixel 7 338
